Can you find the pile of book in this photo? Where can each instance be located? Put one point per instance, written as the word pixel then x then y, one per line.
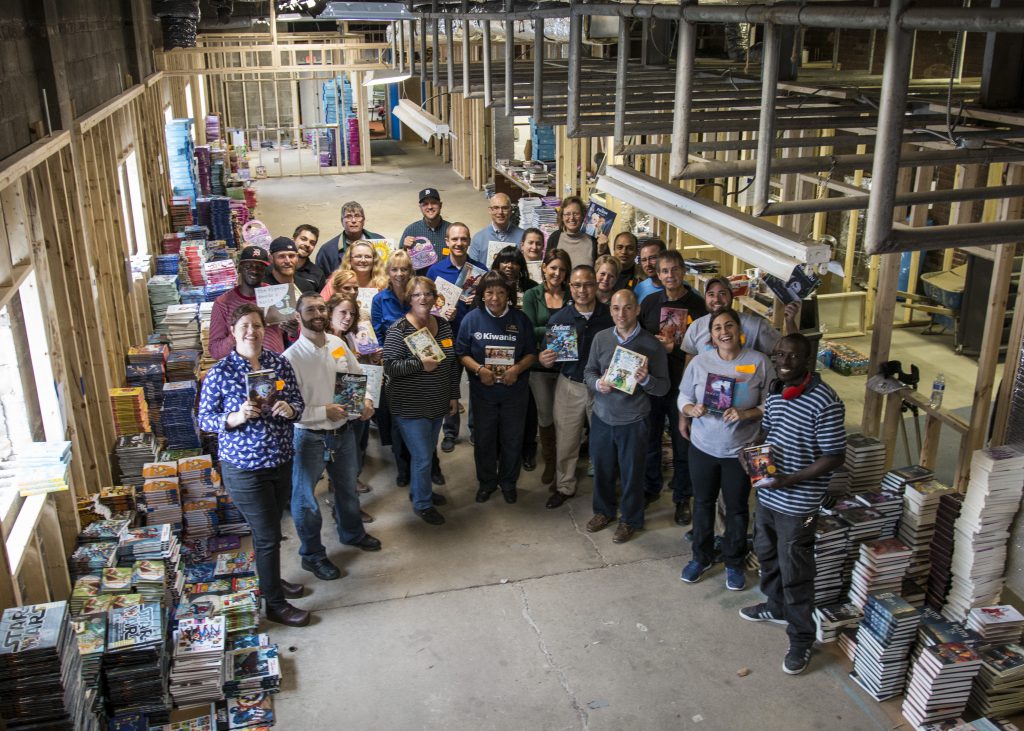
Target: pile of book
pixel 997 624
pixel 998 688
pixel 118 499
pixel 149 580
pixel 182 326
pixel 829 558
pixel 865 461
pixel 116 580
pixel 913 592
pixel 887 502
pixel 865 524
pixel 131 414
pixel 252 670
pixel 161 501
pixel 831 620
pixel 181 212
pixel 132 451
pixel 89 559
pixel 935 629
pixel 163 293
pixel 134 666
pixel 880 568
pixel 921 507
pixel 85 587
pixel 839 483
pixel 40 671
pixel 91 636
pixel 197 675
pixel 884 639
pixel 940 554
pixel 940 683
pixel 982 530
pixel 178 415
pixel 897 479
pixel 103 530
pixel 183 365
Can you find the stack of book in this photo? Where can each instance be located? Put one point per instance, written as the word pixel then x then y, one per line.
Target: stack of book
pixel 839 483
pixel 940 554
pixel 884 639
pixel 40 670
pixel 147 543
pixel 921 506
pixel 251 711
pixel 132 451
pixel 252 670
pixel 181 212
pixel 182 325
pixel 234 564
pixel 103 530
pixel 880 568
pixel 940 683
pixel 913 592
pixel 866 524
pixel 829 557
pixel 229 517
pixel 982 530
pixel 178 415
pixel 847 642
pixel 197 675
pixel 131 414
pixel 134 666
pixel 161 501
pixel 89 559
pixel 999 687
pixel 118 499
pixel 240 611
pixel 831 620
pixel 116 580
pixel 163 292
pixel 898 479
pixel 149 579
pixel 887 502
pixel 183 365
pixel 997 624
pixel 937 630
pixel 91 634
pixel 85 588
pixel 865 461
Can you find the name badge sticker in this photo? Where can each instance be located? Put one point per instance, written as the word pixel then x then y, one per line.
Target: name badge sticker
pixel 338 352
pixel 446 343
pixel 746 368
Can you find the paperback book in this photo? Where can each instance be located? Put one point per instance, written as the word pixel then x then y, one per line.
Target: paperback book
pixel 499 358
pixel 718 393
pixel 622 369
pixel 564 340
pixel 262 388
pixel 467 281
pixel 760 461
pixel 423 345
pixel 350 392
pixel 447 300
pixel 672 325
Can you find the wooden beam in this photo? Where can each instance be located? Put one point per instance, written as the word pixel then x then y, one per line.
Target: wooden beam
pixel 23 161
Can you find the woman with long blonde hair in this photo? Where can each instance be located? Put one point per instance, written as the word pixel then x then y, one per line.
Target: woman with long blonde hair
pixel 361 258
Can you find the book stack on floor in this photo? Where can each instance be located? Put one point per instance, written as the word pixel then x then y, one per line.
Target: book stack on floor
pixel 85 587
pixel 199 488
pixel 940 554
pixel 884 640
pixel 839 483
pixel 91 635
pixel 937 630
pixel 178 415
pixel 151 546
pixel 163 292
pixel 89 559
pixel 880 569
pixel 865 461
pixel 940 683
pixel 252 670
pixel 998 688
pixel 40 671
pixel 829 558
pixel 921 506
pixel 119 500
pixel 135 666
pixel 982 530
pixel 898 479
pixel 866 524
pixel 145 369
pixel 197 675
pixel 913 592
pixel 183 365
pixel 132 451
pixel 181 212
pixel 832 619
pixel 161 502
pixel 131 415
pixel 997 624
pixel 182 323
pixel 889 503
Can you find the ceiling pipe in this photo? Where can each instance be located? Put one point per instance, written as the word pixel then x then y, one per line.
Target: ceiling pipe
pixel 766 129
pixel 944 237
pixel 423 50
pixel 488 91
pixel 510 47
pixel 916 198
pixel 622 65
pixel 538 70
pixel 466 91
pixel 572 117
pixel 435 56
pixel 450 61
pixel 685 62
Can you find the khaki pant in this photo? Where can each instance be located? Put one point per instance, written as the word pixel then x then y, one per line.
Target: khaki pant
pixel 573 406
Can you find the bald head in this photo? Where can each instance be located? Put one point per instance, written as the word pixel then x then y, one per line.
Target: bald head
pixel 625 310
pixel 500 208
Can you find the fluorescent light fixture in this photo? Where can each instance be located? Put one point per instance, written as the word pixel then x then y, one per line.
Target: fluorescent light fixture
pixel 378 77
pixel 422 122
pixel 759 243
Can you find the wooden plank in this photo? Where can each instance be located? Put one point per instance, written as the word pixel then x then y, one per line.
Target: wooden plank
pixel 14 280
pixel 100 114
pixel 51 545
pixel 930 446
pixel 26 159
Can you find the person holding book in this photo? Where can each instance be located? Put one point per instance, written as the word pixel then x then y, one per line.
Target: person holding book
pixel 678 302
pixel 624 248
pixel 581 247
pixel 362 258
pixel 511 263
pixel 649 251
pixel 255 436
pixel 449 269
pixel 352 219
pixel 422 386
pixel 329 377
pixel 607 268
pixel 626 366
pixel 253 262
pixel 500 228
pixel 722 392
pixel 758 333
pixel 497 348
pixel 539 305
pixel 430 227
pixel 305 237
pixel 804 423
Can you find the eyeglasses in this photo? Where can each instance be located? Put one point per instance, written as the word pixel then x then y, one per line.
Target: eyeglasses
pixel 583 285
pixel 423 295
pixel 501 208
pixel 353 216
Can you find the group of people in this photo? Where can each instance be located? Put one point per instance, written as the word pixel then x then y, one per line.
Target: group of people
pixel 526 394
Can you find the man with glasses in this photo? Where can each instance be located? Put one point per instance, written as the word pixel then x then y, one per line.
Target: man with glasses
pixel 573 401
pixel 649 250
pixel 431 226
pixel 352 219
pixel 500 229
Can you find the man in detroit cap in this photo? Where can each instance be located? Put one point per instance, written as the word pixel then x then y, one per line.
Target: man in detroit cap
pixel 253 263
pixel 431 226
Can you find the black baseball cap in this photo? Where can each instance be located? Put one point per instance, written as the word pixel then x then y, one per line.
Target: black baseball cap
pixel 427 193
pixel 254 253
pixel 282 243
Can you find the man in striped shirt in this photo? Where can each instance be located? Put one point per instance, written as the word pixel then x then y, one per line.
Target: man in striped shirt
pixel 803 420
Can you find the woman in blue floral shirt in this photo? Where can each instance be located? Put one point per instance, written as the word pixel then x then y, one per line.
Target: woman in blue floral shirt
pixel 255 449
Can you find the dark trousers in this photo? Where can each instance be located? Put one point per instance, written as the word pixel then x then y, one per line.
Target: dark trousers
pixel 260 498
pixel 500 415
pixel 785 547
pixel 362 434
pixel 711 476
pixel 664 408
pixel 453 422
pixel 618 449
pixel 530 429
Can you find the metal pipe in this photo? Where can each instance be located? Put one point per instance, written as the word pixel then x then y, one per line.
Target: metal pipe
pixel 572 116
pixel 941 237
pixel 538 70
pixel 645 35
pixel 972 20
pixel 622 63
pixel 465 49
pixel 450 60
pixel 510 48
pixel 766 129
pixel 685 61
pixel 423 51
pixel 916 198
pixel 412 47
pixel 886 163
pixel 435 60
pixel 488 99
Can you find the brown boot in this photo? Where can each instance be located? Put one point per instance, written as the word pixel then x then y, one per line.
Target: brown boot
pixel 547 447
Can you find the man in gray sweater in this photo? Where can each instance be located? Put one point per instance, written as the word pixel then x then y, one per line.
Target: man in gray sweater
pixel 618 427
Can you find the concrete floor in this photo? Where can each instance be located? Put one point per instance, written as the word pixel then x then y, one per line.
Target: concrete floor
pixel 512 616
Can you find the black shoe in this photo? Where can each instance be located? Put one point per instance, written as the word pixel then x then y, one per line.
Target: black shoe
pixel 430 515
pixel 796 660
pixel 683 514
pixel 530 462
pixel 322 568
pixel 367 543
pixel 402 480
pixel 510 495
pixel 556 500
pixel 448 444
pixel 435 498
pixel 483 495
pixel 651 497
pixel 688 535
pixel 437 477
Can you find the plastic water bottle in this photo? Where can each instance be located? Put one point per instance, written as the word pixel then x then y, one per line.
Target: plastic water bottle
pixel 938 390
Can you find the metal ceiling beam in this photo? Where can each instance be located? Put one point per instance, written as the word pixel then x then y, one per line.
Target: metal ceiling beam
pixel 685 63
pixel 766 128
pixel 916 198
pixel 942 237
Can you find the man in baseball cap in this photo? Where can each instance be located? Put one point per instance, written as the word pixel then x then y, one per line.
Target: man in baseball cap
pixel 431 227
pixel 284 258
pixel 253 266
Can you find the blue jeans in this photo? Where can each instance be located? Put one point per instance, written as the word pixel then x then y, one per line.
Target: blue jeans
pixel 309 464
pixel 682 486
pixel 420 438
pixel 624 447
pixel 498 439
pixel 260 495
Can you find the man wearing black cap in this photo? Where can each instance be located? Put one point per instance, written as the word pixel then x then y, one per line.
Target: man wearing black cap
pixel 431 227
pixel 352 218
pixel 284 260
pixel 253 263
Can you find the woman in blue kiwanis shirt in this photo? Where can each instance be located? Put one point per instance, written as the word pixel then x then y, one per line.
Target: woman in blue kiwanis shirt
pixel 255 450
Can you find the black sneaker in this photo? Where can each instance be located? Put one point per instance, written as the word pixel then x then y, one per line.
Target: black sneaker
pixel 431 515
pixel 448 444
pixel 367 543
pixel 322 569
pixel 683 514
pixel 797 660
pixel 761 613
pixel 437 477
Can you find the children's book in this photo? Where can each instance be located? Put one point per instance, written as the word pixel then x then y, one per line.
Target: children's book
pixel 622 369
pixel 564 340
pixel 423 345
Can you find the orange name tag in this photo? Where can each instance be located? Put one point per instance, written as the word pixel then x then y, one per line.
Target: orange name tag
pixel 338 352
pixel 445 251
pixel 446 343
pixel 746 369
pixel 280 384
